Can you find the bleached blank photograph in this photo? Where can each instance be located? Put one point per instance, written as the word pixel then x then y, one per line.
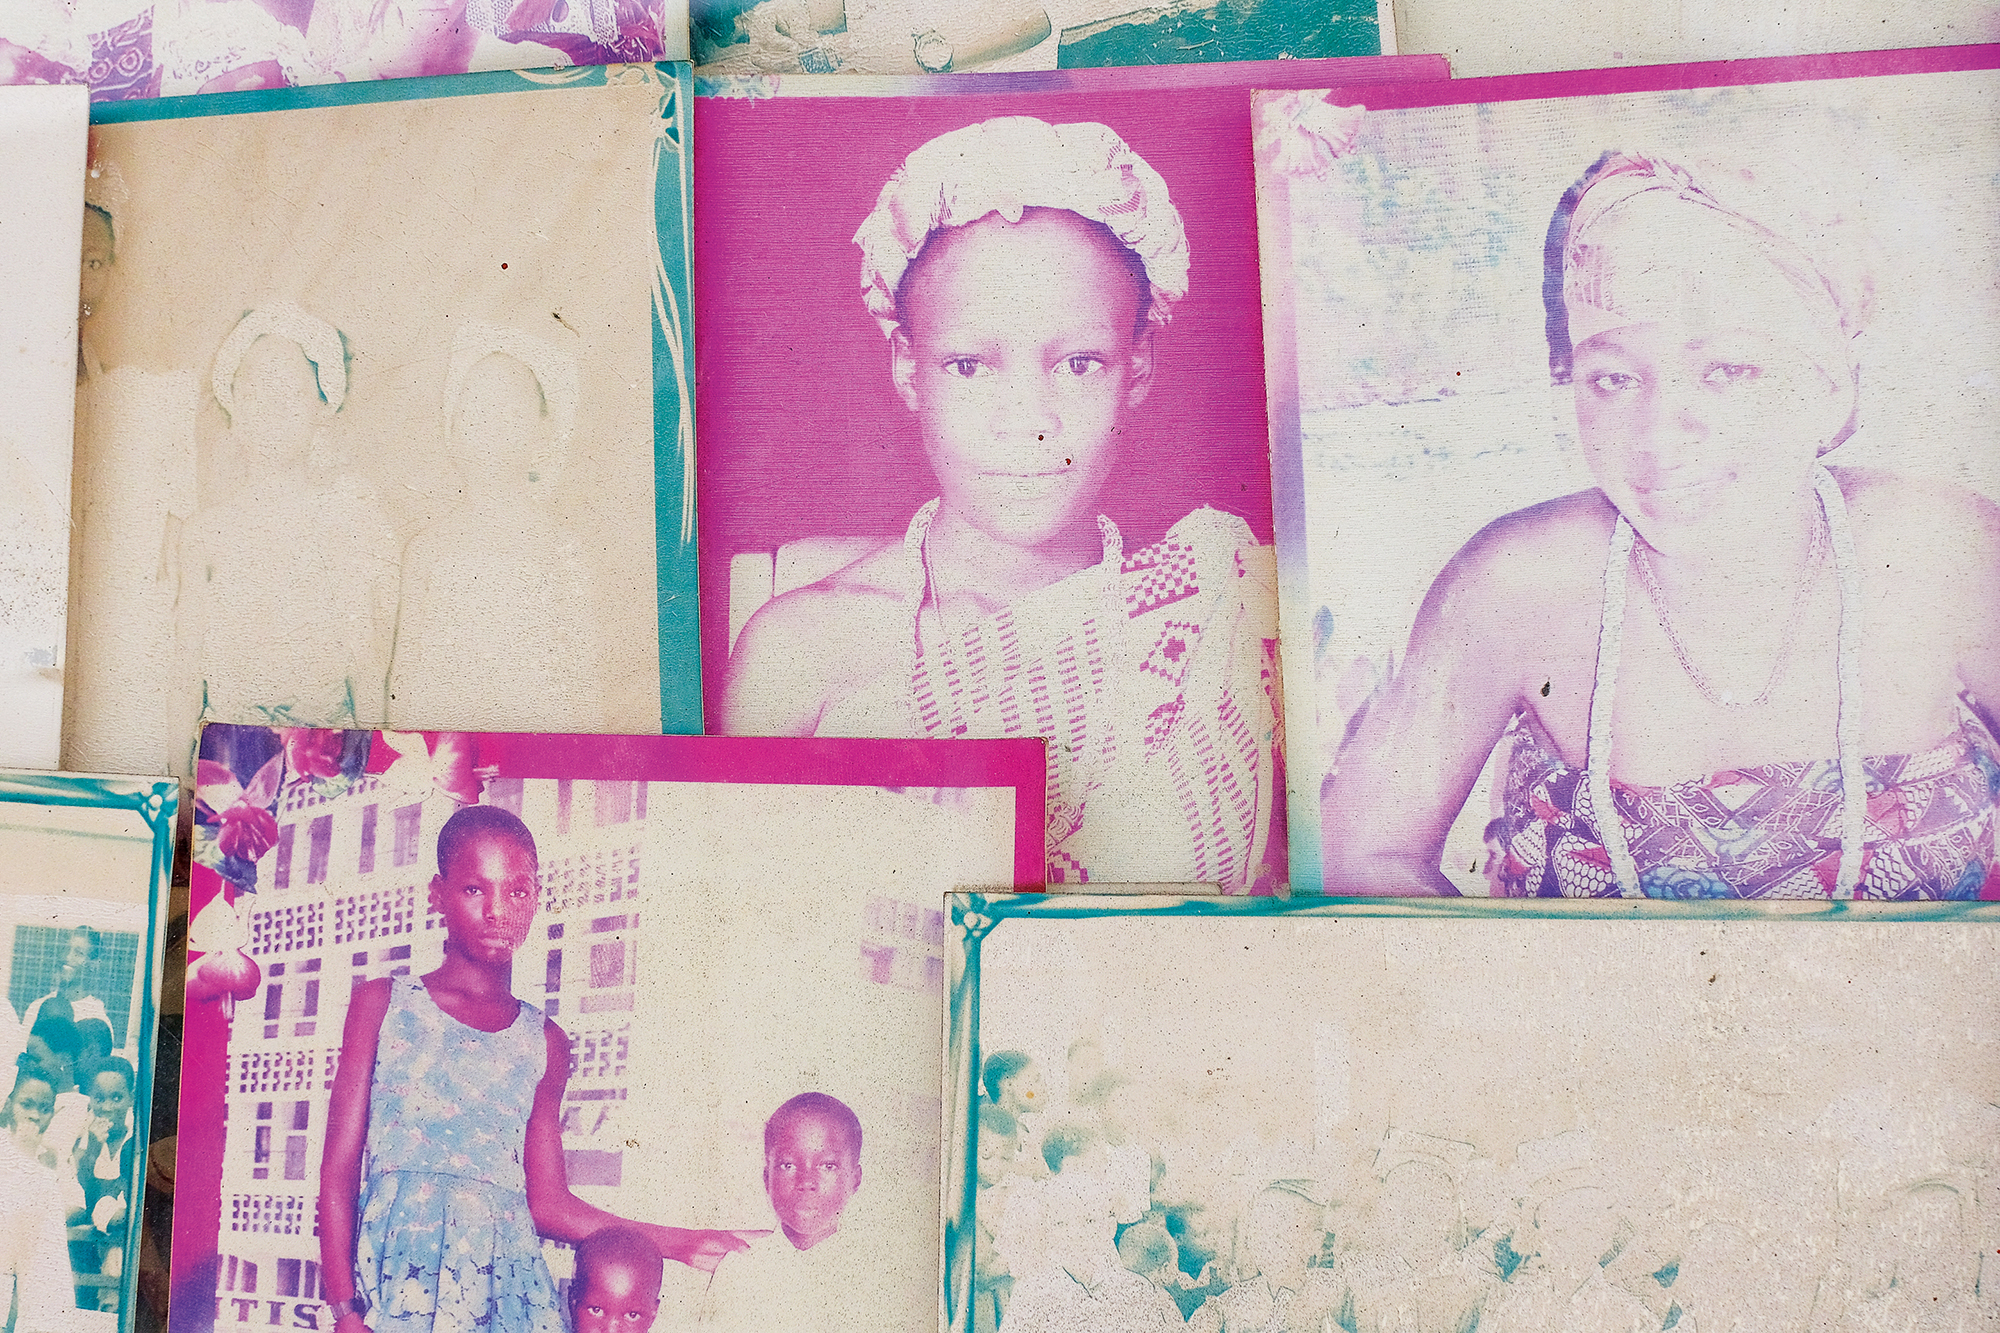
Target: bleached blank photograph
pixel 1432 1125
pixel 42 144
pixel 980 452
pixel 1645 462
pixel 75 1033
pixel 367 417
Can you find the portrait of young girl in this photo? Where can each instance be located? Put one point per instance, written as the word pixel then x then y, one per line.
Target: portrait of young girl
pixel 444 1167
pixel 1030 566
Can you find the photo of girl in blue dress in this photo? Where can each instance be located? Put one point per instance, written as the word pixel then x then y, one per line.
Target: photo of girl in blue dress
pixel 444 1163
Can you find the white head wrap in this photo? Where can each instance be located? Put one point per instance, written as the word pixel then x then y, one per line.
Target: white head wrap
pixel 319 340
pixel 553 366
pixel 1646 243
pixel 1005 166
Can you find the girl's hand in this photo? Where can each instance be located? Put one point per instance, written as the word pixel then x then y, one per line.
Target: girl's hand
pixel 701 1249
pixel 351 1322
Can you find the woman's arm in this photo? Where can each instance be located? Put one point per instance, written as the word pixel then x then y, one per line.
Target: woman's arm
pixel 346 1135
pixel 560 1215
pixel 1402 777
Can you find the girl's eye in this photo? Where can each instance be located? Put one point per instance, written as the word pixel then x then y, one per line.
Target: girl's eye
pixel 964 367
pixel 1079 365
pixel 1608 382
pixel 1726 373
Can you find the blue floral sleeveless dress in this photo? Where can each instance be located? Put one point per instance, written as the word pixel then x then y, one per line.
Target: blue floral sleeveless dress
pixel 445 1243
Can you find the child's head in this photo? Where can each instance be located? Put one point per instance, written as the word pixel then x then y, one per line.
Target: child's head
pixel 1013 1082
pixel 110 1088
pixel 487 885
pixel 94 1041
pixel 83 946
pixel 54 1045
pixel 617 1283
pixel 999 1135
pixel 812 1165
pixel 32 1103
pixel 1019 270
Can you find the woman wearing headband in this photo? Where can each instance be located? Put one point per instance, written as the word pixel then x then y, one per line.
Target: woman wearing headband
pixel 1731 669
pixel 1021 273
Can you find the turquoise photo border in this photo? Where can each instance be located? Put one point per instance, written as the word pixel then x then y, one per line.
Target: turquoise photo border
pixel 677 587
pixel 974 916
pixel 156 802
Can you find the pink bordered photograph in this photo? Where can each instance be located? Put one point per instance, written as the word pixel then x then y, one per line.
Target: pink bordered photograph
pixel 984 451
pixel 1636 491
pixel 487 1030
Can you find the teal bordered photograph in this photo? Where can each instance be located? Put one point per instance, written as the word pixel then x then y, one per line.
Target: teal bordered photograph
pixel 84 869
pixel 1367 1116
pixel 398 376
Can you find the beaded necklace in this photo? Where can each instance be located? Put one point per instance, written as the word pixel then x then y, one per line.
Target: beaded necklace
pixel 1847 724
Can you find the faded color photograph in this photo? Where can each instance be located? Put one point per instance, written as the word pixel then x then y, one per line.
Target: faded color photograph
pixel 979 454
pixel 1486 1123
pixel 957 36
pixel 434 493
pixel 126 49
pixel 524 1034
pixel 1640 456
pixel 79 968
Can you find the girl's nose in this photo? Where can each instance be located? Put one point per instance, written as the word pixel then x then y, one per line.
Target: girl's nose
pixel 1027 406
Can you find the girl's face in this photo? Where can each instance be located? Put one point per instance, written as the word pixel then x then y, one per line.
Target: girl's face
pixel 33 1104
pixel 1692 431
pixel 111 1099
pixel 1021 353
pixel 487 896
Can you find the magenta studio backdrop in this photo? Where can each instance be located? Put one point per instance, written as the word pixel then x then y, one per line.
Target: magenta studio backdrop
pixel 802 433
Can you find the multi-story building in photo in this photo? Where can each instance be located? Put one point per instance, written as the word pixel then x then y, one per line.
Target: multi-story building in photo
pixel 342 898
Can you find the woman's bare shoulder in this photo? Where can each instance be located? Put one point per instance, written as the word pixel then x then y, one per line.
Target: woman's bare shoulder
pixel 1922 525
pixel 1545 547
pixel 869 588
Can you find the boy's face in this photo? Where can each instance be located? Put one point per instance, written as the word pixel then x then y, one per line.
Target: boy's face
pixel 487 896
pixel 810 1172
pixel 614 1298
pixel 1019 355
pixel 111 1099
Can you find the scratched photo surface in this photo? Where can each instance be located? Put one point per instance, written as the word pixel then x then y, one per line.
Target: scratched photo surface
pixel 1370 1124
pixel 366 418
pixel 1443 603
pixel 720 929
pixel 1095 570
pixel 76 1034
